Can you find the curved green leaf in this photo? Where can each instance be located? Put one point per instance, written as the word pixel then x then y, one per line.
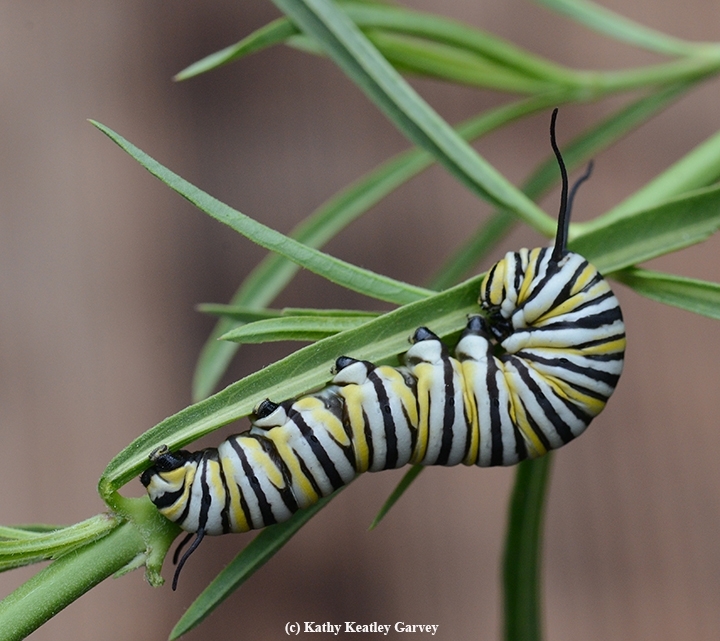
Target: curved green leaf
pixel 604 21
pixel 404 484
pixel 523 551
pixel 276 32
pixel 26 532
pixel 698 168
pixel 238 313
pixel 250 315
pixel 293 328
pixel 258 552
pixel 698 296
pixel 24 547
pixel 647 234
pixel 336 270
pixel 445 62
pixel 389 19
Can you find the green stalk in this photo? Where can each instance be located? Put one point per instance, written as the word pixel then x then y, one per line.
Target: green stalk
pixel 614 25
pixel 595 84
pixel 523 547
pixel 65 580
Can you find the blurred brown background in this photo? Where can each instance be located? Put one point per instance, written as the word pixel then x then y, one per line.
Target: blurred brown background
pixel 101 266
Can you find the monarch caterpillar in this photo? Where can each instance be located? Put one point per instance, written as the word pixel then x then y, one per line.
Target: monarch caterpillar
pixel 528 376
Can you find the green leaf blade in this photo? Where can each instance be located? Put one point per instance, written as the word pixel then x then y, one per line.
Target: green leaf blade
pixel 607 22
pixel 24 547
pixel 697 296
pixel 445 62
pixel 335 270
pixel 293 328
pixel 276 32
pixel 697 169
pixel 399 490
pixel 523 551
pixel 258 552
pixel 648 234
pixel 238 313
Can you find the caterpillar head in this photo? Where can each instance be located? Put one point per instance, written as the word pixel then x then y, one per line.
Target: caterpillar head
pixel 166 479
pixel 169 483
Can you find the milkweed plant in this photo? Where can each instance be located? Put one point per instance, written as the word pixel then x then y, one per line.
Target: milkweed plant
pixel 376 44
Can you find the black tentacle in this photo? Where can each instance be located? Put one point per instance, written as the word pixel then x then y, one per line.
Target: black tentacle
pixel 198 539
pixel 564 215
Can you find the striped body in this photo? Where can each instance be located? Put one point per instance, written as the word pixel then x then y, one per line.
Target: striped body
pixel 528 376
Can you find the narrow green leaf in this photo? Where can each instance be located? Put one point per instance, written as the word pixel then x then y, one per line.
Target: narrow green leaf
pixel 404 484
pixel 293 328
pixel 599 84
pixel 239 313
pixel 442 30
pixel 698 296
pixel 250 315
pixel 25 532
pixel 258 552
pixel 523 550
pixel 335 270
pixel 643 235
pixel 274 33
pixel 339 313
pixel 275 272
pixel 446 62
pixel 604 21
pixel 698 168
pixel 306 369
pixel 356 56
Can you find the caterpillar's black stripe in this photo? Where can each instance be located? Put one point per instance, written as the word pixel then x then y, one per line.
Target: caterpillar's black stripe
pixel 560 333
pixel 263 504
pixel 317 449
pixel 391 454
pixel 448 414
pixel 495 420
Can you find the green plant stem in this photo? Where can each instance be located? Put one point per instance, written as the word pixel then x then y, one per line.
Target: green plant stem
pixel 65 580
pixel 523 547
